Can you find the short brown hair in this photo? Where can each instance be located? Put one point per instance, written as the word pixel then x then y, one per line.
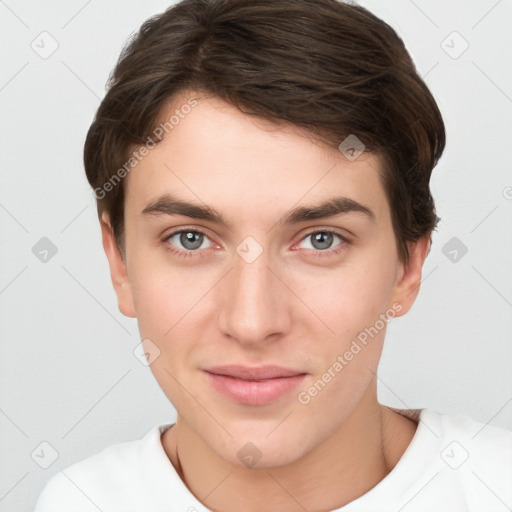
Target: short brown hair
pixel 333 68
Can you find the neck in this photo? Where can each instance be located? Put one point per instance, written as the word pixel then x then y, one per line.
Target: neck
pixel 346 465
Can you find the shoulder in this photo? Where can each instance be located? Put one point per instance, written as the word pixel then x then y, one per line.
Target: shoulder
pixel 109 478
pixel 474 457
pixel 477 438
pixel 485 443
pixel 452 463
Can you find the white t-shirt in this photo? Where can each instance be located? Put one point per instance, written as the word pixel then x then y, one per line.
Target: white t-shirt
pixel 453 464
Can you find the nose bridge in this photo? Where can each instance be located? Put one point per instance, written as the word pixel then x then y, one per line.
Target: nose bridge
pixel 253 305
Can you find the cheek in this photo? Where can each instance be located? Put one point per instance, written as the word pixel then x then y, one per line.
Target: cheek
pixel 173 308
pixel 154 300
pixel 162 293
pixel 352 307
pixel 168 307
pixel 346 299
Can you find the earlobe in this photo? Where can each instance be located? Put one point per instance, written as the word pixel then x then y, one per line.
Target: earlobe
pixel 409 280
pixel 117 265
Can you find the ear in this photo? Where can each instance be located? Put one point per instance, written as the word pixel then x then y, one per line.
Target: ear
pixel 117 266
pixel 409 276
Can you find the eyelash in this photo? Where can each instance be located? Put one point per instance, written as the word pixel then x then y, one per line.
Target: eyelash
pixel 316 253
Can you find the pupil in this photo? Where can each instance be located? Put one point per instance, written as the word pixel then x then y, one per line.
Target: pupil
pixel 187 239
pixel 323 239
pixel 192 240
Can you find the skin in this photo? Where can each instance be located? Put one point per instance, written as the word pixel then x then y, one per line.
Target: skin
pixel 287 308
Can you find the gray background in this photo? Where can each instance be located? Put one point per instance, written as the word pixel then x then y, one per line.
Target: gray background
pixel 68 373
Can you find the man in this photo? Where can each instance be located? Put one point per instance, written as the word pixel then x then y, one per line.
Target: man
pixel 262 175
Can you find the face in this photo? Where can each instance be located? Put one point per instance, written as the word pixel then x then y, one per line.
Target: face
pixel 265 281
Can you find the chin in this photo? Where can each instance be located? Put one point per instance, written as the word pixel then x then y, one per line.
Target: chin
pixel 261 450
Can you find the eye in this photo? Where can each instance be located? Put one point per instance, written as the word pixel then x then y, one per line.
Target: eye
pixel 321 241
pixel 191 241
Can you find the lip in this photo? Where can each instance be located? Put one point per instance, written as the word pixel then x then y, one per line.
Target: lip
pixel 254 386
pixel 254 373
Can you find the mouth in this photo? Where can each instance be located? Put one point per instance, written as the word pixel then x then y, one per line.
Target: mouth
pixel 254 386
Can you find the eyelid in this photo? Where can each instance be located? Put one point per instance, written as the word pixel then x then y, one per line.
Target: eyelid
pixel 185 229
pixel 324 229
pixel 329 229
pixel 315 229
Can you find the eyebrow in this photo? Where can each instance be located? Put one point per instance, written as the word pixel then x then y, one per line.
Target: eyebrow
pixel 167 204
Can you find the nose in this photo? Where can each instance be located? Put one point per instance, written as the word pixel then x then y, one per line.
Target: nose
pixel 255 304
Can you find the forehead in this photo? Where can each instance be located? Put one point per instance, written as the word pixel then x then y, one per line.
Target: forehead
pixel 217 155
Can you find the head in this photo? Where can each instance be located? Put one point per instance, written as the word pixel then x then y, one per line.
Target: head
pixel 262 174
